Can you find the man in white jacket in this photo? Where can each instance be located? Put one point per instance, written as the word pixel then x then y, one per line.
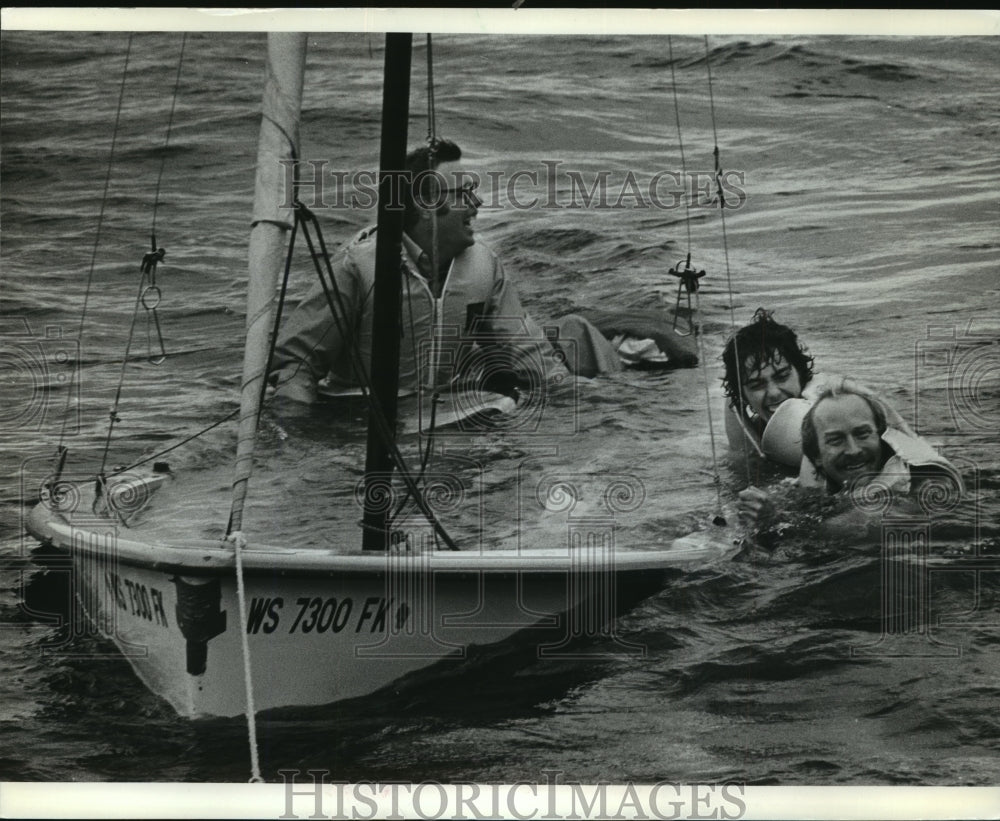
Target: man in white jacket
pixel 459 310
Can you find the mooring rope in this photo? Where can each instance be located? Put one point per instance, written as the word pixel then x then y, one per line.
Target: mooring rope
pixel 239 545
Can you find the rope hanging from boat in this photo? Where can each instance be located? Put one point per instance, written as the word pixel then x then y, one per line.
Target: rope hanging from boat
pixel 239 543
pixel 281 107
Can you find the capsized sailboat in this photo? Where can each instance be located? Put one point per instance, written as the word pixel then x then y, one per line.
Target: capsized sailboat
pixel 230 626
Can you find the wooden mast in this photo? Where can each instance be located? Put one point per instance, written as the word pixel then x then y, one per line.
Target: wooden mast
pixel 388 285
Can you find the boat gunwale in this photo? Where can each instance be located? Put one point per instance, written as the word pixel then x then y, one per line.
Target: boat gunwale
pixel 216 557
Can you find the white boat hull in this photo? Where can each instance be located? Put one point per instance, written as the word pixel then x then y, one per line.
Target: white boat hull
pixel 324 626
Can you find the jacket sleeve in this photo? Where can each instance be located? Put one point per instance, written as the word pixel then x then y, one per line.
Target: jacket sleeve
pixel 313 339
pixel 513 331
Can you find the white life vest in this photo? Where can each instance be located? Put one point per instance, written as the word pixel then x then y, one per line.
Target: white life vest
pixel 908 452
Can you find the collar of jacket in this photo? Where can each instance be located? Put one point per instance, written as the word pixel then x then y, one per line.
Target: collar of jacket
pixel 417 256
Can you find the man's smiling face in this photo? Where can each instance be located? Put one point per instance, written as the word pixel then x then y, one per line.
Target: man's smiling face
pixel 770 384
pixel 850 448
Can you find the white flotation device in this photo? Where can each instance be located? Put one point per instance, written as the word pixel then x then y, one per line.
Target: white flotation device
pixel 908 452
pixel 782 439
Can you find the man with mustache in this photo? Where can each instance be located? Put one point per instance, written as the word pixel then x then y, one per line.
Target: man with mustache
pixel 848 444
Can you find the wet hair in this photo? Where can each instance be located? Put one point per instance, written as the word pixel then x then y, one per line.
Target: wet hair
pixel 758 345
pixel 810 439
pixel 419 162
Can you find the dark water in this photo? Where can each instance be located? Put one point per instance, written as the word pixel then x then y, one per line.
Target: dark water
pixel 870 224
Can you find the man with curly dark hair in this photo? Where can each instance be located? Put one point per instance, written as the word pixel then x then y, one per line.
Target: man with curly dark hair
pixel 765 366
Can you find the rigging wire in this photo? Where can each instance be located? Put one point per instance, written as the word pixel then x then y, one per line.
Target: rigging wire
pixel 435 393
pixel 716 478
pixel 425 457
pixel 431 108
pixel 333 295
pixel 435 251
pixel 176 445
pixel 166 142
pixel 435 263
pixel 725 242
pixel 680 144
pixel 148 288
pixel 279 310
pixel 113 413
pixel 61 450
pixel 689 278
